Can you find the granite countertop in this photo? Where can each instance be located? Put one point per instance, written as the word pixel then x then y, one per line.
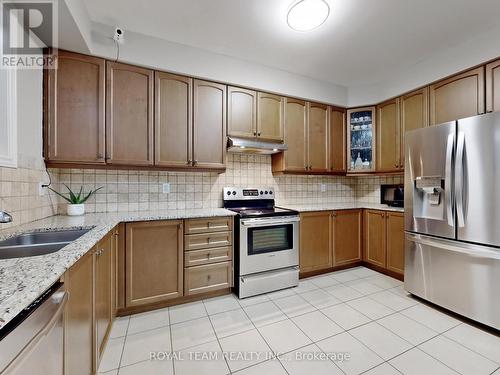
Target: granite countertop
pixel 22 280
pixel 340 206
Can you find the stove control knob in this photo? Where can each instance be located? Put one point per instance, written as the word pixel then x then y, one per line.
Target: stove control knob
pixel 270 192
pixel 228 193
pixel 261 192
pixel 234 192
pixel 265 192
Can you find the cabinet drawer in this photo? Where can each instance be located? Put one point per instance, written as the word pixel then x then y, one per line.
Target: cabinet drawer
pixel 202 279
pixel 207 256
pixel 207 240
pixel 207 225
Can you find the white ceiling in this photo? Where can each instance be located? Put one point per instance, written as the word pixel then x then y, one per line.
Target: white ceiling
pixel 362 42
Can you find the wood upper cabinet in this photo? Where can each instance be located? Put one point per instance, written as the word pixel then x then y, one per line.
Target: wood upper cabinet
pixel 129 114
pixel 315 241
pixel 241 112
pixel 388 136
pixel 457 97
pixel 493 86
pixel 173 120
pixel 375 237
pixel 295 158
pixel 337 138
pixel 154 261
pixel 414 108
pixel 209 124
pixel 317 137
pixel 347 234
pixel 78 318
pixel 104 272
pixel 75 117
pixel 395 242
pixel 270 116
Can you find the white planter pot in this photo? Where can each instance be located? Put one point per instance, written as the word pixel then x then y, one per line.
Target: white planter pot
pixel 76 209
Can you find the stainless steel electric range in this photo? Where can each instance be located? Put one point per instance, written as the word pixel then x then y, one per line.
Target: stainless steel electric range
pixel 266 243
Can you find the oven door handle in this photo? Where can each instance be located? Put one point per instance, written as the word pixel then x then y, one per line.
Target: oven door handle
pixel 274 221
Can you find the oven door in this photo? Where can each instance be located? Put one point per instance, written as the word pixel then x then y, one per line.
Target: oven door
pixel 268 243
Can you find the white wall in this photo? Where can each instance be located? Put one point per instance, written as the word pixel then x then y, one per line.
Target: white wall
pixel 161 54
pixel 29 118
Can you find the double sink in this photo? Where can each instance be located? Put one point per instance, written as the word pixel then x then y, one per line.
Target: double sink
pixel 38 243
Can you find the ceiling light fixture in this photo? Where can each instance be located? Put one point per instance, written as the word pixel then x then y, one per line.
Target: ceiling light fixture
pixel 306 15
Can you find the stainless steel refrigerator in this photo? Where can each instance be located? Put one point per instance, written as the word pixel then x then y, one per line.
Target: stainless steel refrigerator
pixel 452 216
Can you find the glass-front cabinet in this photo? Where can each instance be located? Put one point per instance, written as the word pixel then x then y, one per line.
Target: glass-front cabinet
pixel 361 140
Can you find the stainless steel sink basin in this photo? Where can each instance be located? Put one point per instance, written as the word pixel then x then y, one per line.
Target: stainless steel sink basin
pixel 38 243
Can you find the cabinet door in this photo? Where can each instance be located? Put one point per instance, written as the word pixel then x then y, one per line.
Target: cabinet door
pixel 103 292
pixel 241 112
pixel 154 261
pixel 315 241
pixel 209 125
pixel 395 242
pixel 375 237
pixel 337 143
pixel 270 116
pixel 347 225
pixel 457 97
pixel 78 319
pixel 493 86
pixel 388 136
pixel 129 114
pixel 361 125
pixel 75 110
pixel 317 136
pixel 294 159
pixel 414 115
pixel 173 120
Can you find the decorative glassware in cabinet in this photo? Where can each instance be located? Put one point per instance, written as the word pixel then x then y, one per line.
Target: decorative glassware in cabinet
pixel 361 129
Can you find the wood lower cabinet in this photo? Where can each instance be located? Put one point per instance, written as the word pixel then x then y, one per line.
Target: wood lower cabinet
pixel 337 140
pixel 295 158
pixel 208 255
pixel 270 116
pixel 129 114
pixel 74 98
pixel 79 355
pixel 384 240
pixel 103 298
pixel 154 262
pixel 346 236
pixel 241 112
pixel 388 136
pixel 493 86
pixel 209 125
pixel 315 241
pixel 173 120
pixel 395 242
pixel 375 237
pixel 457 97
pixel 317 137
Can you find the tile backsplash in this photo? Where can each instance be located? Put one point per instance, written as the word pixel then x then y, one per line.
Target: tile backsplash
pixel 143 190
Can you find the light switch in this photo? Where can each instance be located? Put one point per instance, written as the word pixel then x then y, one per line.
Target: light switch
pixel 166 188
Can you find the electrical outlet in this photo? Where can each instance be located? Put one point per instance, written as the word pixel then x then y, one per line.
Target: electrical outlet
pixel 166 188
pixel 41 189
pixel 323 188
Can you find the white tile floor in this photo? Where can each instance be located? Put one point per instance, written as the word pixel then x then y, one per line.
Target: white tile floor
pixel 357 312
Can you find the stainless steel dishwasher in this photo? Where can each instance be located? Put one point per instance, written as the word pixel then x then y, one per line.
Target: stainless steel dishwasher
pixel 32 343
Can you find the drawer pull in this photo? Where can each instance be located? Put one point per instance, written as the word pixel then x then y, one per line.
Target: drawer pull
pixel 209 277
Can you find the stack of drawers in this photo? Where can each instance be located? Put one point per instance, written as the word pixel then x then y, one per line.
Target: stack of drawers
pixel 208 254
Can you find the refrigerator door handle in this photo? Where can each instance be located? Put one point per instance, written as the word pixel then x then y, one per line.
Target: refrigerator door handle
pixel 459 179
pixel 449 180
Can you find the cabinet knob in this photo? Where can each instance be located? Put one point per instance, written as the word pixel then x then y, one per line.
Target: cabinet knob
pixel 258 134
pixel 254 134
pixel 195 162
pixel 189 161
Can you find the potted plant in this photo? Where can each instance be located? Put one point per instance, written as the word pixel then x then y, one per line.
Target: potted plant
pixel 76 202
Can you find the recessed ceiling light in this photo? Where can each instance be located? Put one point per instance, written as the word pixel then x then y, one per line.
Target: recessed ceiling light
pixel 306 15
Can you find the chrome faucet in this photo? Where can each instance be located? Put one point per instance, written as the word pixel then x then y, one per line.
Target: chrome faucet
pixel 5 217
